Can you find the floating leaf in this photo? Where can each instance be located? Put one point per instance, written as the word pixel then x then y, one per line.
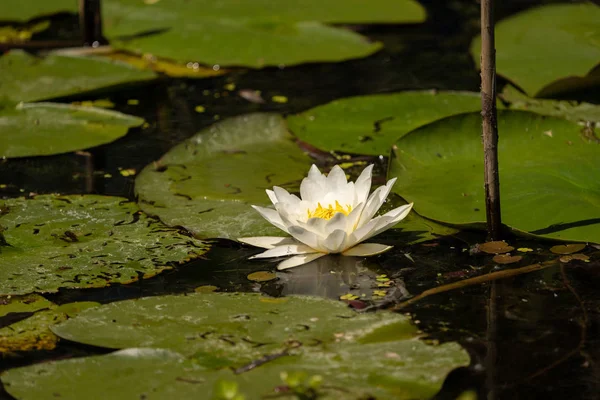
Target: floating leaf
pixel 251 33
pixel 547 185
pixel 262 276
pixel 23 304
pixel 567 248
pixel 38 129
pixel 84 241
pixel 571 110
pixel 24 10
pixel 496 247
pixel 34 332
pixel 304 336
pixel 403 370
pixel 571 257
pixel 30 78
pixel 149 62
pixel 208 183
pixel 545 44
pixel 371 124
pixel 31 333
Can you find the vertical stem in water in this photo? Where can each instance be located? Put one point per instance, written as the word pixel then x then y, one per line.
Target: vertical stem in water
pixel 490 124
pixel 90 22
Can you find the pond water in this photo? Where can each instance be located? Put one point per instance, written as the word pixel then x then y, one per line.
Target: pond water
pixel 531 335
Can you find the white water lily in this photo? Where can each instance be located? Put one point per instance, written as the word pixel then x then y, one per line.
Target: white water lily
pixel 332 215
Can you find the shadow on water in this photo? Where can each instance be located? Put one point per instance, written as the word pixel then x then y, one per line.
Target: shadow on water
pixel 530 336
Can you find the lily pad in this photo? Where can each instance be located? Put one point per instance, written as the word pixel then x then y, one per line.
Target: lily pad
pixel 30 78
pixel 23 304
pixel 250 33
pixel 24 10
pixel 84 241
pixel 571 110
pixel 371 124
pixel 38 129
pixel 305 336
pixel 207 183
pixel 545 44
pixel 545 173
pixel 31 333
pixel 407 370
pixel 34 333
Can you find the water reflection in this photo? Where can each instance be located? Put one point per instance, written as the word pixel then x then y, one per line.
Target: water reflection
pixel 331 276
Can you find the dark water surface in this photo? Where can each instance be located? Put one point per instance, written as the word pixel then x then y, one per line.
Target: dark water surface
pixel 530 336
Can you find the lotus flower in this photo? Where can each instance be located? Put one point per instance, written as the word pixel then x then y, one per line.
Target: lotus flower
pixel 332 215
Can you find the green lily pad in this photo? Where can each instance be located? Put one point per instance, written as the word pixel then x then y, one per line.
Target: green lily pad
pixel 208 183
pixel 252 45
pixel 572 110
pixel 357 356
pixel 125 374
pixel 20 304
pixel 30 78
pixel 250 33
pixel 39 129
pixel 371 124
pixel 406 370
pixel 222 329
pixel 84 241
pixel 24 10
pixel 547 182
pixel 33 333
pixel 543 45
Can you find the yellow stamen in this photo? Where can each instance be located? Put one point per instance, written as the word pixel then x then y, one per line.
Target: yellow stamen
pixel 330 211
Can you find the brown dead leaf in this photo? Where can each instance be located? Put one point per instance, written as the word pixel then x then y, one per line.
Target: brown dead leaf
pixel 567 248
pixel 497 247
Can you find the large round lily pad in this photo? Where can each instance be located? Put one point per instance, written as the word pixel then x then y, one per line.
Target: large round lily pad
pixel 30 78
pixel 540 46
pixel 84 241
pixel 371 124
pixel 208 183
pixel 38 129
pixel 250 33
pixel 548 173
pixel 357 356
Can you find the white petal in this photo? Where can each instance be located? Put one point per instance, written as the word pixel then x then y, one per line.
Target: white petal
pixel 272 216
pixel 285 250
pixel 266 242
pixel 338 222
pixel 313 186
pixel 283 196
pixel 366 249
pixel 299 260
pixel 363 185
pixel 336 180
pixel 272 196
pixel 334 243
pixel 307 237
pixel 375 201
pixel 316 225
pixel 312 191
pixel 381 223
